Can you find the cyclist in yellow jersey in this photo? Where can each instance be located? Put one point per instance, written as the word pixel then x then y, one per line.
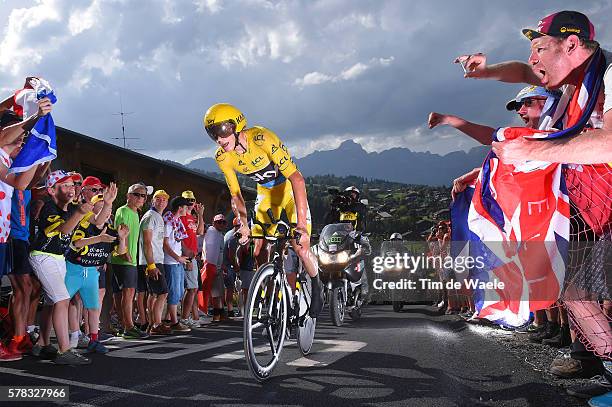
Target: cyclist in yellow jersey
pixel 258 153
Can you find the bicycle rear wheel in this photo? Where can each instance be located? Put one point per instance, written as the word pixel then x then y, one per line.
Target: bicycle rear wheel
pixel 307 325
pixel 265 322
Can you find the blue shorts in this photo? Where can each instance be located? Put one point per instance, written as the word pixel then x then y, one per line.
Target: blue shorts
pixel 175 277
pixel 83 280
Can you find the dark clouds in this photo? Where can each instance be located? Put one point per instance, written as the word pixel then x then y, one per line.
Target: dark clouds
pixel 315 72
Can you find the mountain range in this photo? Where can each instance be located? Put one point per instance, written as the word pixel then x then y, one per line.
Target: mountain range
pixel 396 164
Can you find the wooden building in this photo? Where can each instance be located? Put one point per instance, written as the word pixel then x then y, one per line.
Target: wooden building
pixel 110 163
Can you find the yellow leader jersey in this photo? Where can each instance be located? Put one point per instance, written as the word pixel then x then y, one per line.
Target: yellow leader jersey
pixel 266 161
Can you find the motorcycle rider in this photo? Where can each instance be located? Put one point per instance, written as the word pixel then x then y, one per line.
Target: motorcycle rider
pixel 347 208
pixel 396 237
pixel 353 210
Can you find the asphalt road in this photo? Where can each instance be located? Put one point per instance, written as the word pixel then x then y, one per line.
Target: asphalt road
pixel 413 358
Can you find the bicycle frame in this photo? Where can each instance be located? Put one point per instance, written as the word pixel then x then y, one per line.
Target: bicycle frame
pixel 273 305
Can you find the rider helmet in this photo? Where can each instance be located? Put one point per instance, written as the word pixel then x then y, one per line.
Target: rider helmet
pixel 223 120
pixel 353 189
pixel 395 236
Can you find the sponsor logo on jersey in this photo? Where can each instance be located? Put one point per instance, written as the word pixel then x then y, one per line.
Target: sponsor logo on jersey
pixel 259 139
pixel 219 156
pixel 283 162
pixel 267 174
pixel 257 161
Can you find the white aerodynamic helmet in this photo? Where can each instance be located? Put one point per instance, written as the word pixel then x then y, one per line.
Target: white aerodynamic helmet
pixel 352 189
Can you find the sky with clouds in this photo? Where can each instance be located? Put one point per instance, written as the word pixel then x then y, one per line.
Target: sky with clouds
pixel 315 72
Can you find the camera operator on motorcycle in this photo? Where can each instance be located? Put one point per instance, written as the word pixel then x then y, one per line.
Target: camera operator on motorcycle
pixel 342 251
pixel 347 208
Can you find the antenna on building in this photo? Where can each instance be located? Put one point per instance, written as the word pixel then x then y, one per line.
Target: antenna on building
pixel 122 114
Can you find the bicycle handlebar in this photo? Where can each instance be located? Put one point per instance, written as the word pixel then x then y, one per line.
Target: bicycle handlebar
pixel 284 227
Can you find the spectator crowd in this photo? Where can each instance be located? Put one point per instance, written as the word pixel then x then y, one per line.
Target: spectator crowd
pixel 152 267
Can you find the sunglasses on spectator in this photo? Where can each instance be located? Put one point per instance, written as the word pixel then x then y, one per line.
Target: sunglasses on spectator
pixel 139 195
pixel 528 102
pixel 191 200
pixel 96 190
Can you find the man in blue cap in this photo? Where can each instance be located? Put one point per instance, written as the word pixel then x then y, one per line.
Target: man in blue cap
pixel 532 104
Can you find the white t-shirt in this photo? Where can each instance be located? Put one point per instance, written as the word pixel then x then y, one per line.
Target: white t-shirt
pixel 6 194
pixel 174 244
pixel 213 246
pixel 153 221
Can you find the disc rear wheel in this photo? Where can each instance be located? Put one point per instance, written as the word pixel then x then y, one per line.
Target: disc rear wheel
pixel 307 325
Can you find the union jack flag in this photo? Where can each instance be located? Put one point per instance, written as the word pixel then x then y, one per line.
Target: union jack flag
pixel 518 219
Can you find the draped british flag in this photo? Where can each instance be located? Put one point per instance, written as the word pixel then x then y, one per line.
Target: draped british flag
pixel 40 146
pixel 518 219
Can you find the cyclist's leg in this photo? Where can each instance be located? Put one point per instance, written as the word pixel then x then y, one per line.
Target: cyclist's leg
pixel 291 268
pixel 304 252
pixel 262 204
pixel 307 256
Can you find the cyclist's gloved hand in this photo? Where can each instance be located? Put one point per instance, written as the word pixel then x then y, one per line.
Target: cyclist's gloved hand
pixel 304 237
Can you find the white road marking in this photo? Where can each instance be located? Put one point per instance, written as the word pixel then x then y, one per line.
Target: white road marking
pixel 335 350
pixel 181 349
pixel 338 350
pixel 305 362
pixel 235 355
pixel 341 346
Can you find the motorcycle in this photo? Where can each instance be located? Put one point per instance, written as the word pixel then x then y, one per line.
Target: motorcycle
pixel 341 259
pixel 397 273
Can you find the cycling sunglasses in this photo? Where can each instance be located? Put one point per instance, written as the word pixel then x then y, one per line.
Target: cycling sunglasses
pixel 221 130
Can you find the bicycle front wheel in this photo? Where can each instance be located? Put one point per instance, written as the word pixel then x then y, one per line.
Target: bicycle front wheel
pixel 265 321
